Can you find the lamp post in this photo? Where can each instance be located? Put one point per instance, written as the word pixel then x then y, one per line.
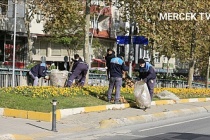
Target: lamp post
pixel 131 47
pixel 14 45
pixel 54 103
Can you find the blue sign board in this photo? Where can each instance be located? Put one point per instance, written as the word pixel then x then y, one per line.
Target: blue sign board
pixel 140 40
pixel 123 40
pixel 136 40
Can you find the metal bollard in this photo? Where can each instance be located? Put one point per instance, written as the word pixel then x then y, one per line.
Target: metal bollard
pixel 54 102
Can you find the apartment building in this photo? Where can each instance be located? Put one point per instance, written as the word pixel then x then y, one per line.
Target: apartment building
pixel 7 34
pixel 104 25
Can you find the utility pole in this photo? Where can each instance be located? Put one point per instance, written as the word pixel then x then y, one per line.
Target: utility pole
pixel 86 52
pixel 131 49
pixel 14 44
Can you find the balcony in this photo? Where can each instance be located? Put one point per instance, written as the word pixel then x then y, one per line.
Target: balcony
pixel 105 11
pixel 102 34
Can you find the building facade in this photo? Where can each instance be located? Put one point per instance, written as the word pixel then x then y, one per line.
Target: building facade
pixel 7 34
pixel 105 25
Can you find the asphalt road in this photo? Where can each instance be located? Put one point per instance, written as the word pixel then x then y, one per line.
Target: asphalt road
pixel 194 127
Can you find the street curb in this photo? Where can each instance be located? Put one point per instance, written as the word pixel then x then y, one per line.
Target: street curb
pixel 63 113
pixel 152 117
pixel 67 112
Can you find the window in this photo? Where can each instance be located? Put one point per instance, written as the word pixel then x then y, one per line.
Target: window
pixel 56 49
pixel 157 58
pixel 3 8
pixel 43 48
pixel 64 51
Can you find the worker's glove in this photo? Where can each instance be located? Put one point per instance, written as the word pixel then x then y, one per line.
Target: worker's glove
pixel 137 79
pixel 47 77
pixel 145 80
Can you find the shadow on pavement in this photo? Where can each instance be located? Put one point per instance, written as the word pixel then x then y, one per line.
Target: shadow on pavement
pixel 38 127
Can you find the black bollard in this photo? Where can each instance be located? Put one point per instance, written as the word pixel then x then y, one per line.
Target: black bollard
pixel 54 102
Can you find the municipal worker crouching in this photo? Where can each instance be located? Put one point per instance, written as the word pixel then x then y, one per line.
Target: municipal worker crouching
pixel 148 75
pixel 38 71
pixel 79 69
pixel 117 66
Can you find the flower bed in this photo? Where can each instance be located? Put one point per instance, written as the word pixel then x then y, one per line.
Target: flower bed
pixel 50 91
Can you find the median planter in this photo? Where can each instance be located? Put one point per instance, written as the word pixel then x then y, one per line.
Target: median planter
pixel 58 78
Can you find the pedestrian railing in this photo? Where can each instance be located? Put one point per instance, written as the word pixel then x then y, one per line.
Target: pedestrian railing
pixel 22 79
pixel 171 83
pixel 177 84
pixel 98 79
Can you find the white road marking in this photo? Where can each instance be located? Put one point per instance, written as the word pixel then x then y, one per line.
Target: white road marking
pixel 174 124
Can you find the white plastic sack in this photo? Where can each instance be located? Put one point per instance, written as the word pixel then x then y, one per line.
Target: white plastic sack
pixel 58 78
pixel 141 94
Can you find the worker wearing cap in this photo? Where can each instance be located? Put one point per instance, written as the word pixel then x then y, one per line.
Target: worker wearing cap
pixel 79 69
pixel 117 67
pixel 148 75
pixel 38 71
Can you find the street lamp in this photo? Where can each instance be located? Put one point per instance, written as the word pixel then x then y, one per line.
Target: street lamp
pixel 131 47
pixel 14 44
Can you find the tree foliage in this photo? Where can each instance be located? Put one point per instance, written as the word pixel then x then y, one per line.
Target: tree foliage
pixel 99 50
pixel 187 39
pixel 63 21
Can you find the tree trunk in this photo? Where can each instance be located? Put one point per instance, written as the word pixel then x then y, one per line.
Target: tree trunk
pixel 192 60
pixel 207 74
pixel 191 72
pixel 152 53
pixel 69 55
pixel 29 39
pixel 154 44
pixel 168 58
pixel 30 44
pixel 86 53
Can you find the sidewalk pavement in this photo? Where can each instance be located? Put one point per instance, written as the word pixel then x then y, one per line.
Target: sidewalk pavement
pixel 94 118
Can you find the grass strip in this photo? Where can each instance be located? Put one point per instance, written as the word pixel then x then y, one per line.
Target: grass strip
pixel 16 101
